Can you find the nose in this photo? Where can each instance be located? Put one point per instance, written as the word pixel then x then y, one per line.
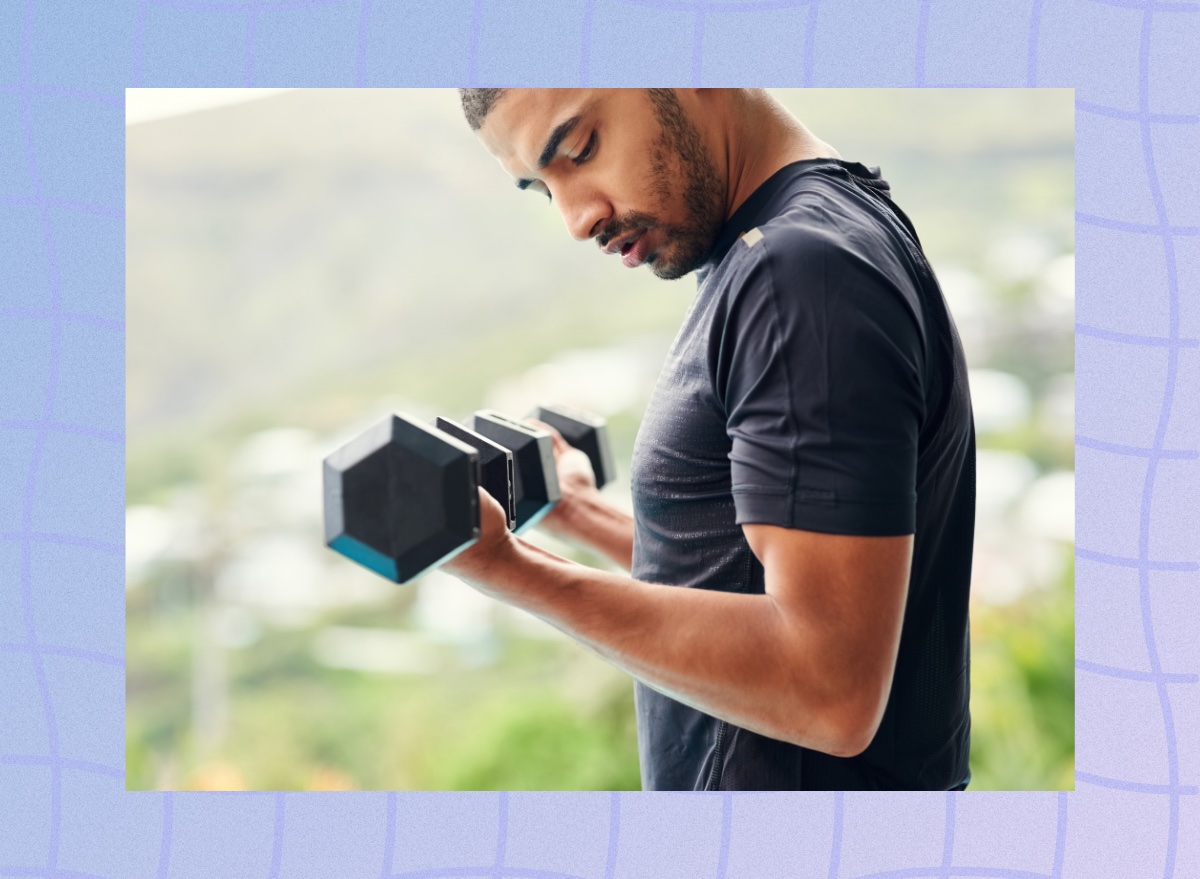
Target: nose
pixel 583 210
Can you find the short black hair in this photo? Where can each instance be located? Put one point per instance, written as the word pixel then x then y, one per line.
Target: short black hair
pixel 477 103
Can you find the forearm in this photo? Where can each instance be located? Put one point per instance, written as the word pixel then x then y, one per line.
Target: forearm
pixel 735 656
pixel 588 518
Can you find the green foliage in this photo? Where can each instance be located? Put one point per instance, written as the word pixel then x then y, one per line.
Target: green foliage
pixel 1023 692
pixel 543 742
pixel 546 716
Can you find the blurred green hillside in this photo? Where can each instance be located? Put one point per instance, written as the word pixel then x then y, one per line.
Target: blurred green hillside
pixel 294 258
pixel 301 264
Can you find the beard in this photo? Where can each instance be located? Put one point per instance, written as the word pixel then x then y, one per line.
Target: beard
pixel 678 156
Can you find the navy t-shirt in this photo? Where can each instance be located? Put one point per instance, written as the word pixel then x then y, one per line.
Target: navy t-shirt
pixel 817 383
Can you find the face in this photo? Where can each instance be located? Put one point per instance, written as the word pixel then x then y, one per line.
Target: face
pixel 626 167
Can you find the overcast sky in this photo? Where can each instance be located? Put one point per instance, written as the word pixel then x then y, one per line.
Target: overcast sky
pixel 146 105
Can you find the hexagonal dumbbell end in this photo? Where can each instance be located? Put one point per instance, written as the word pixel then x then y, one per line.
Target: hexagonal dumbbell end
pixel 401 498
pixel 586 432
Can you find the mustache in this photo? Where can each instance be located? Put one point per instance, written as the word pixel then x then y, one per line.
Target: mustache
pixel 633 222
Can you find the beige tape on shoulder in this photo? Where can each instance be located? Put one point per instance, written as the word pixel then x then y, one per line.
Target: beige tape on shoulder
pixel 752 237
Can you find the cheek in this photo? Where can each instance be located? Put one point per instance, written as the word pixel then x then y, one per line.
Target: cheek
pixel 662 178
pixel 661 159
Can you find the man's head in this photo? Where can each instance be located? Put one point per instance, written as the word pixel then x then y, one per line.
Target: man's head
pixel 632 168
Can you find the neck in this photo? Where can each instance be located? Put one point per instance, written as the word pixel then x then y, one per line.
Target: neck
pixel 761 137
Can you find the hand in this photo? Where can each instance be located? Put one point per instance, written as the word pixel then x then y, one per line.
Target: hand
pixel 495 539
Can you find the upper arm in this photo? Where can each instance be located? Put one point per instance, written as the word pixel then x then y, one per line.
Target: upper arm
pixel 843 597
pixel 820 371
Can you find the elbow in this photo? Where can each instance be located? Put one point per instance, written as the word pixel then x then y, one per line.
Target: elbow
pixel 844 728
pixel 854 734
pixel 836 706
pixel 855 719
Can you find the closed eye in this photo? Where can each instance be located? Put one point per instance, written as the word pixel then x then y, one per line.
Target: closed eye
pixel 588 151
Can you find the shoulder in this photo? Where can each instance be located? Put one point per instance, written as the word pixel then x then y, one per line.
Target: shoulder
pixel 799 257
pixel 818 218
pixel 823 268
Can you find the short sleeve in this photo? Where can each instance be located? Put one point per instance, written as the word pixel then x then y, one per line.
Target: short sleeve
pixel 819 369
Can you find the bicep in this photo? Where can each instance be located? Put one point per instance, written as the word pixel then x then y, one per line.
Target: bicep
pixel 844 596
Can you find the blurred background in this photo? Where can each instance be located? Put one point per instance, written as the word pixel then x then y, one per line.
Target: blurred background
pixel 301 263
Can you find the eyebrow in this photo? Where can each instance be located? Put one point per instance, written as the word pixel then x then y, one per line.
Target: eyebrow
pixel 552 144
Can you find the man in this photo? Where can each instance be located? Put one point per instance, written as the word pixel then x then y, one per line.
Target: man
pixel 805 464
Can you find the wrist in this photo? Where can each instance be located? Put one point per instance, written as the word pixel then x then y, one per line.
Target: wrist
pixel 574 514
pixel 483 563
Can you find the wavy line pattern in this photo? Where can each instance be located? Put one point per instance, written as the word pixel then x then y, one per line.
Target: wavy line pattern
pixel 1160 432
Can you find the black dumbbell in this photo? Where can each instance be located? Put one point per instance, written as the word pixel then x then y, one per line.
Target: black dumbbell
pixel 403 497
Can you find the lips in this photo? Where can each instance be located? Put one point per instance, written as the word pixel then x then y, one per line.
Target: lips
pixel 633 248
pixel 618 245
pixel 634 254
